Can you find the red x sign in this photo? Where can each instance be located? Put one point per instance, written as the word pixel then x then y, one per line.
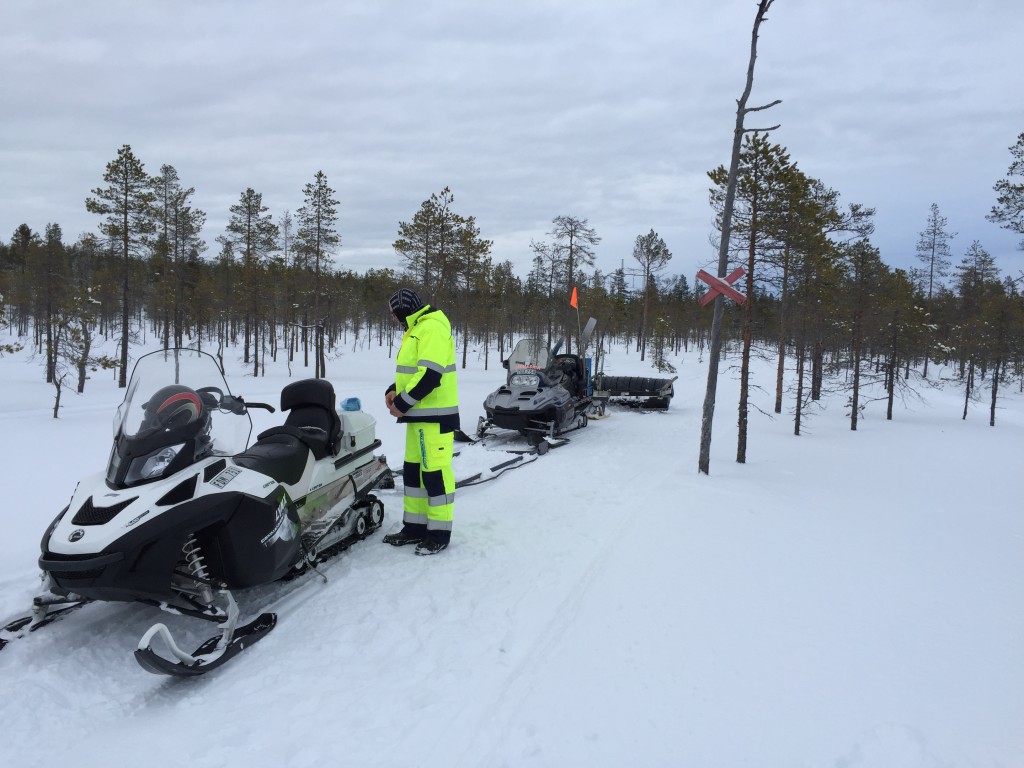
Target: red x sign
pixel 720 286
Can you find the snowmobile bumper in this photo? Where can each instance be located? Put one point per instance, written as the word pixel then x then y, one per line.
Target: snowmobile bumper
pixel 69 573
pixel 512 418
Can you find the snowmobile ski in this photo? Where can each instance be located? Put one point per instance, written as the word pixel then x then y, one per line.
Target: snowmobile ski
pixel 518 457
pixel 43 615
pixel 212 654
pixel 497 470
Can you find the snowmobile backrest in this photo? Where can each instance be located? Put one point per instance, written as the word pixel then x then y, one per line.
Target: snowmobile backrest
pixel 311 403
pixel 588 330
pixel 574 373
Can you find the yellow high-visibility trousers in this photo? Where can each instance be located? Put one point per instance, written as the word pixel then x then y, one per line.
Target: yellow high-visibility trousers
pixel 429 481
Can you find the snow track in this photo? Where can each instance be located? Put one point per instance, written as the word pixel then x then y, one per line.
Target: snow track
pixel 603 606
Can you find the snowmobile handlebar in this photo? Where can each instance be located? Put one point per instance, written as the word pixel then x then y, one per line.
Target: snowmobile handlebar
pixel 214 397
pixel 249 406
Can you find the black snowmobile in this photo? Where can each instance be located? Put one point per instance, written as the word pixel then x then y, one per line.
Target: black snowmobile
pixel 545 394
pixel 186 513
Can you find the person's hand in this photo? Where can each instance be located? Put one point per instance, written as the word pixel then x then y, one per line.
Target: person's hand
pixel 389 398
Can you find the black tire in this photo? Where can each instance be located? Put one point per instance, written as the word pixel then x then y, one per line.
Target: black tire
pixel 360 527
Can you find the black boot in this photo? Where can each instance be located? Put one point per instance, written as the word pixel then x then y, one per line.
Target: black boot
pixel 410 534
pixel 433 542
pixel 428 547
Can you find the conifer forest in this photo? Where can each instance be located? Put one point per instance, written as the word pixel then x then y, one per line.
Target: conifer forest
pixel 821 300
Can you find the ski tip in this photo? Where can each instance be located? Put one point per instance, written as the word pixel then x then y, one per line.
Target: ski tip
pixel 208 656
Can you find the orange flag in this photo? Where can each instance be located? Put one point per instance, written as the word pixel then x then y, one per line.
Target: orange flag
pixel 572 301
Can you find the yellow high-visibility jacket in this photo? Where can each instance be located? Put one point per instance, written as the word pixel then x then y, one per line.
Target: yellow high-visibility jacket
pixel 425 383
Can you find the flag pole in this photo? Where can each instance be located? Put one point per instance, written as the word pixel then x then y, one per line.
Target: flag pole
pixel 575 304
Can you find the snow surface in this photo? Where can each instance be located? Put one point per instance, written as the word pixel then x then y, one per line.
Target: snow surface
pixel 847 599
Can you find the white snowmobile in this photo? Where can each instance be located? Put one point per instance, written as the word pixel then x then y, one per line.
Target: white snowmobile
pixel 545 394
pixel 185 513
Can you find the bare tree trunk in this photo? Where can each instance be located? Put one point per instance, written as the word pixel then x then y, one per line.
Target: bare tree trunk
pixel 892 373
pixel 708 413
pixel 780 368
pixel 255 349
pixel 84 357
pixel 817 370
pixel 748 332
pixel 970 386
pixel 857 352
pixel 57 382
pixel 995 391
pixel 801 356
pixel 122 375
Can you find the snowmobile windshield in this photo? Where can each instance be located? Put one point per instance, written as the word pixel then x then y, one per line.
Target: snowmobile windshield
pixel 527 365
pixel 177 409
pixel 528 355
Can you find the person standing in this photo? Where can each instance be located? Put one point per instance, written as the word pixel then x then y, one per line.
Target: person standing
pixel 425 398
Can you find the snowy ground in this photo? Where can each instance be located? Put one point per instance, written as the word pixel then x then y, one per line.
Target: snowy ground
pixel 844 599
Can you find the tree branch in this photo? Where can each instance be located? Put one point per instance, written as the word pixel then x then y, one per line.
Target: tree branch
pixel 758 109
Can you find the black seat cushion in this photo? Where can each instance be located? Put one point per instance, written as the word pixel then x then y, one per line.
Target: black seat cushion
pixel 281 456
pixel 313 438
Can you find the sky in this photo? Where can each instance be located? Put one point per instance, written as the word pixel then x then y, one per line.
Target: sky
pixel 612 112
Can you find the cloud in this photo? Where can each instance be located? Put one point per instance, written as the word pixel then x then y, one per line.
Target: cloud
pixel 608 111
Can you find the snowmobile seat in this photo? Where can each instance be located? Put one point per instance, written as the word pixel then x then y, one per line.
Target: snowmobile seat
pixel 312 416
pixel 280 456
pixel 574 374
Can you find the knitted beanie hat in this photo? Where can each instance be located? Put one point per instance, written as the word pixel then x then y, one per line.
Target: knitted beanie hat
pixel 404 303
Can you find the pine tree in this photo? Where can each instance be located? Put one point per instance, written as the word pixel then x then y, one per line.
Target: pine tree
pixel 178 241
pixel 652 254
pixel 933 251
pixel 575 240
pixel 978 286
pixel 252 236
pixel 127 205
pixel 864 276
pixel 316 238
pixel 1008 212
pixel 660 332
pixel 428 241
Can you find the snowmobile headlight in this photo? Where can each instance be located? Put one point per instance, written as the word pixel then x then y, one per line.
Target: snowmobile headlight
pixel 524 380
pixel 153 465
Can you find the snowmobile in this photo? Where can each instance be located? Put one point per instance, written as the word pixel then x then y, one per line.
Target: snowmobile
pixel 187 512
pixel 545 393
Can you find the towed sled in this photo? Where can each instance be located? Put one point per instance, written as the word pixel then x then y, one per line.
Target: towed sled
pixel 635 391
pixel 545 394
pixel 186 513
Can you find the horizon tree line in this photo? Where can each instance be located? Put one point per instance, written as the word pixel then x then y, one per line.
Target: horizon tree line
pixel 821 299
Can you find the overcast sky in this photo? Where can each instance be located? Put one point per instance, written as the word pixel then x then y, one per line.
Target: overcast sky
pixel 612 112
